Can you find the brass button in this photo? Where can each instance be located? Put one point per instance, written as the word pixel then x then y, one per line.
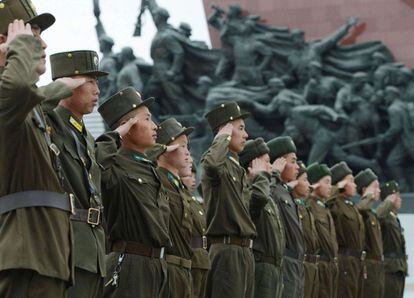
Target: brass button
pixel 134 106
pixel 121 93
pixel 2 5
pixel 76 71
pixel 172 138
pixel 139 180
pixel 234 179
pixel 194 198
pixel 228 138
pixel 231 117
pixel 200 212
pixel 222 105
pixel 69 55
pixel 185 215
pixel 90 176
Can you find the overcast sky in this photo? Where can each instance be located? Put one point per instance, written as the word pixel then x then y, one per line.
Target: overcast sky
pixel 75 24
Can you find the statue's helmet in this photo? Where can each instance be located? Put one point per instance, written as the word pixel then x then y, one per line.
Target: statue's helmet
pixel 161 13
pixel 185 28
pixel 235 10
pixel 105 39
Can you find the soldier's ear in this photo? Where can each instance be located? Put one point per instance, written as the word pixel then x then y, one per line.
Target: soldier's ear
pixel 3 38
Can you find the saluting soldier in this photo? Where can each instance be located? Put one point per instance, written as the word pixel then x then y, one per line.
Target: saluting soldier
pixel 395 258
pixel 300 191
pixel 230 229
pixel 136 208
pixel 170 166
pixel 369 189
pixel 81 171
pixel 200 263
pixel 269 244
pixel 35 233
pixel 281 193
pixel 320 178
pixel 350 232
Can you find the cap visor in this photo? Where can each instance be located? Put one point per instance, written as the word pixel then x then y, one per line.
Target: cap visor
pixel 44 21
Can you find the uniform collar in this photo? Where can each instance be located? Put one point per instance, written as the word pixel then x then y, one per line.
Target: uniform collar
pixel 138 156
pixel 174 180
pixel 233 157
pixel 319 201
pixel 71 119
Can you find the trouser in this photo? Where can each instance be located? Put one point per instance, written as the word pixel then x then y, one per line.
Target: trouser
pixel 139 276
pixel 351 275
pixel 87 285
pixel 374 284
pixel 293 278
pixel 179 281
pixel 199 277
pixel 328 279
pixel 311 280
pixel 232 272
pixel 394 284
pixel 24 283
pixel 268 280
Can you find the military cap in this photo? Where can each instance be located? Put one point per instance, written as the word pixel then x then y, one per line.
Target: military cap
pixel 67 64
pixel 120 104
pixel 317 171
pixel 11 10
pixel 106 39
pixel 280 146
pixel 389 188
pixel 252 149
pixel 224 113
pixel 171 129
pixel 302 168
pixel 340 171
pixel 364 178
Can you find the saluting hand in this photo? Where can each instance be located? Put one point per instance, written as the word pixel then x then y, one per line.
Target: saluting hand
pixel 124 128
pixel 257 166
pixel 172 148
pixel 225 130
pixel 279 164
pixel 72 83
pixel 293 184
pixel 15 29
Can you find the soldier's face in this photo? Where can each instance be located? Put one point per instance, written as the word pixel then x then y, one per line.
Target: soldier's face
pixel 291 169
pixel 302 188
pixel 190 181
pixel 238 136
pixel 180 158
pixel 325 187
pixel 143 133
pixel 350 186
pixel 374 189
pixel 85 98
pixel 398 201
pixel 41 67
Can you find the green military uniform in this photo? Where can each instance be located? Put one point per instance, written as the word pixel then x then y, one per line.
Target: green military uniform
pixel 328 245
pixel 350 234
pixel 269 245
pixel 200 263
pixel 82 179
pixel 136 209
pixel 395 258
pixel 293 270
pixel 311 258
pixel 179 253
pixel 374 284
pixel 35 235
pixel 230 229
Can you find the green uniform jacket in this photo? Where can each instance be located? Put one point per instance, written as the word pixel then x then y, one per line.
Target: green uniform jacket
pixel 135 204
pixel 308 226
pixel 393 238
pixel 270 241
pixel 226 192
pixel 200 258
pixel 89 241
pixel 36 238
pixel 181 221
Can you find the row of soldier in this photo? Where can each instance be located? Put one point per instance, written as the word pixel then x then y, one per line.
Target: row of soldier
pixel 118 217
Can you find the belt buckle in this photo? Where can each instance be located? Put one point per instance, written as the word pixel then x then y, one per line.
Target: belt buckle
pixel 363 255
pixel 317 259
pixel 72 203
pixel 94 216
pixel 250 243
pixel 54 148
pixel 162 252
pixel 204 242
pixel 226 240
pixel 382 258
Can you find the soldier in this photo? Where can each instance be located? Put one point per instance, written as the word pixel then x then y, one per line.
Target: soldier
pixel 301 192
pixel 81 171
pixel 368 187
pixel 394 242
pixel 170 167
pixel 350 232
pixel 137 211
pixel 200 263
pixel 230 229
pixel 35 233
pixel 269 244
pixel 293 271
pixel 320 178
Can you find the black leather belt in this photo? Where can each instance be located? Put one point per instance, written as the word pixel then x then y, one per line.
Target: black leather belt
pixel 232 240
pixel 258 257
pixel 314 259
pixel 293 254
pixel 326 258
pixel 91 216
pixel 37 198
pixel 395 255
pixel 375 257
pixel 199 242
pixel 360 254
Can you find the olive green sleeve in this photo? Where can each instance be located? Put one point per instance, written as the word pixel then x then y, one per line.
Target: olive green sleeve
pixel 214 159
pixel 155 151
pixel 384 208
pixel 18 91
pixel 106 148
pixel 54 92
pixel 366 202
pixel 260 193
